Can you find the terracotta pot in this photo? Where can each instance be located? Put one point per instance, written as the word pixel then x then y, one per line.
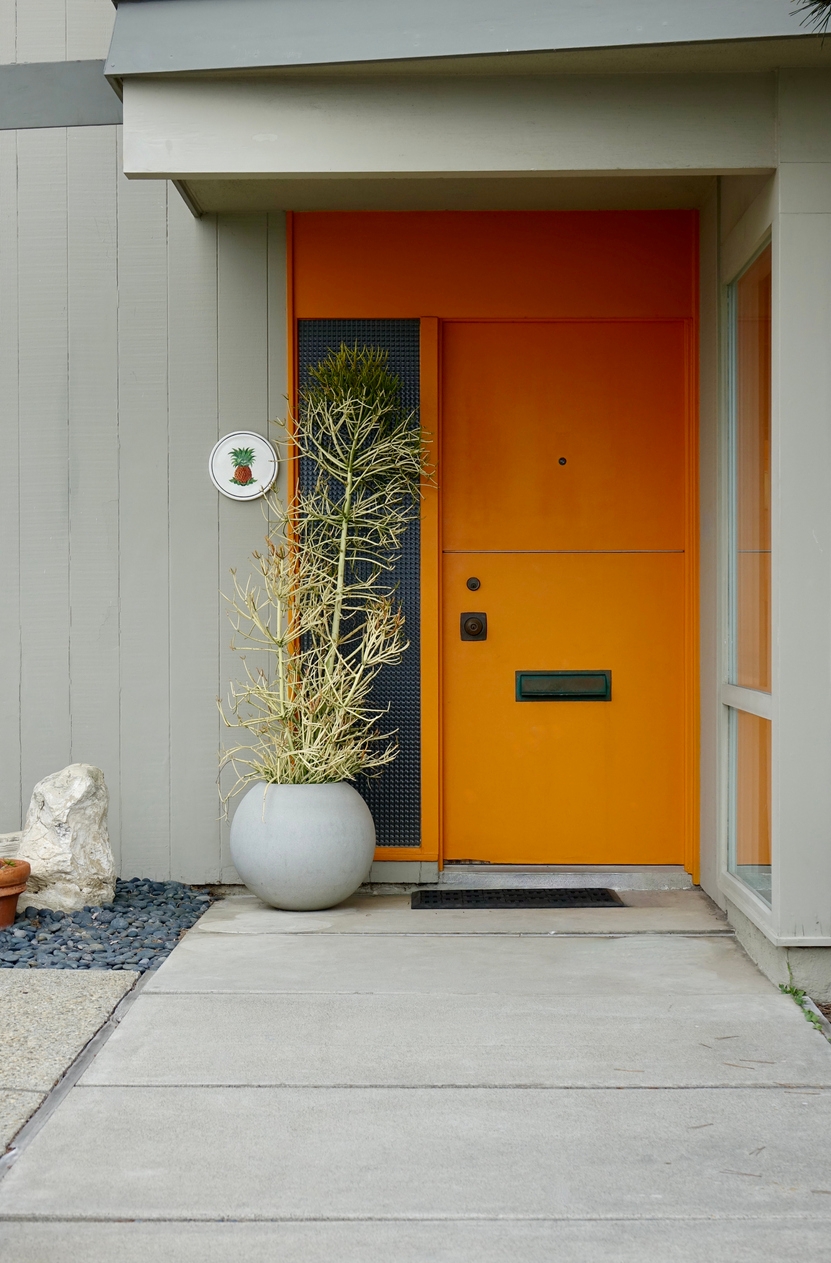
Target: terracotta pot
pixel 13 877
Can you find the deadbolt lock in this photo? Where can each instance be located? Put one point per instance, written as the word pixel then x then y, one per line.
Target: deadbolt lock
pixel 473 626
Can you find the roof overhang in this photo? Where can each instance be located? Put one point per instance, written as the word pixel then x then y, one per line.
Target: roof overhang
pixel 254 104
pixel 309 139
pixel 154 37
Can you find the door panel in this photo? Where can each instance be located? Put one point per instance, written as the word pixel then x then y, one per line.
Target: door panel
pixel 553 782
pixel 606 396
pixel 581 567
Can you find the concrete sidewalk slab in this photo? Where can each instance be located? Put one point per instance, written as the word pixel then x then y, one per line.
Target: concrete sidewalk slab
pixel 307 1040
pixel 645 912
pixel 406 1241
pixel 304 1153
pixel 509 965
pixel 414 1125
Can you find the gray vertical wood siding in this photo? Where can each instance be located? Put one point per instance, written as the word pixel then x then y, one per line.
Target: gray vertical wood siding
pixel 54 30
pixel 10 647
pixel 131 337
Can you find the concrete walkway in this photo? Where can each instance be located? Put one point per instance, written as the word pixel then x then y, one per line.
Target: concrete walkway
pixel 381 1083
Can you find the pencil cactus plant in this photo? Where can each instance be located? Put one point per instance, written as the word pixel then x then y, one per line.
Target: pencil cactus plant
pixel 320 617
pixel 817 14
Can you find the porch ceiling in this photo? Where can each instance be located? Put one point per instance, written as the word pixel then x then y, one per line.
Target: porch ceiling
pixel 667 192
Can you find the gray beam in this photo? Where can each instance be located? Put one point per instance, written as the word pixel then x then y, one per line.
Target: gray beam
pixel 56 94
pixel 158 36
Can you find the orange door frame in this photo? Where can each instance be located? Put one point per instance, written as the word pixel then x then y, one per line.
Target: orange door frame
pixel 348 303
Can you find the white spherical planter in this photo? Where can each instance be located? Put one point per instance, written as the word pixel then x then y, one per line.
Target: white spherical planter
pixel 302 847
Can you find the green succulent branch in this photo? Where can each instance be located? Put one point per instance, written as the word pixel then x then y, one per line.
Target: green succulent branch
pixel 321 615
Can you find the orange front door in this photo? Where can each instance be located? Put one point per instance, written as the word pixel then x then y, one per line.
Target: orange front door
pixel 563 491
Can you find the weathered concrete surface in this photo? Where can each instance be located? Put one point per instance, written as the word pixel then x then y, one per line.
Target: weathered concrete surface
pixel 65 840
pixel 312 1153
pixel 46 1018
pixel 48 1015
pixel 407 1241
pixel 463 1040
pixel 447 1095
pixel 509 965
pixel 645 912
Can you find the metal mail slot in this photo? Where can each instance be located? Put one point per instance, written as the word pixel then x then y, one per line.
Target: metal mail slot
pixel 563 686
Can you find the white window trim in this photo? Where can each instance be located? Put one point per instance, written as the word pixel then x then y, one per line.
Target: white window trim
pixel 737 252
pixel 750 700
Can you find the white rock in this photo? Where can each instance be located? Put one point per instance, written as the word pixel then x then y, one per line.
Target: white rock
pixel 66 842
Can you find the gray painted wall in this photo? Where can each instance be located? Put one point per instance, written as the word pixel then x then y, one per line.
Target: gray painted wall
pixel 54 30
pixel 132 336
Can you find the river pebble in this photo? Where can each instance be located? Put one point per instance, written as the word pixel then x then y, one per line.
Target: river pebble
pixel 137 931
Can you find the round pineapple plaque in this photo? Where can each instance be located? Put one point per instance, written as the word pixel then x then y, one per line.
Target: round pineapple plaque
pixel 243 465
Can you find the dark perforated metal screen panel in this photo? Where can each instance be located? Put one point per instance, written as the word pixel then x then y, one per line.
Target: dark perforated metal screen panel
pixel 394 798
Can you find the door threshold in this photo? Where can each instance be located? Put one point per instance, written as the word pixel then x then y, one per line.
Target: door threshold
pixel 467 876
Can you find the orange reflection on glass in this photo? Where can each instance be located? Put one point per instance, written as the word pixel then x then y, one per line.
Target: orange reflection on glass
pixel 751 560
pixel 751 842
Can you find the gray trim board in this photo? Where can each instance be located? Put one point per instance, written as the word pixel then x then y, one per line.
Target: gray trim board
pixel 56 94
pixel 170 36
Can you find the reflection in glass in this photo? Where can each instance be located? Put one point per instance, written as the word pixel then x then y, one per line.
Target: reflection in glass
pixel 750 806
pixel 750 329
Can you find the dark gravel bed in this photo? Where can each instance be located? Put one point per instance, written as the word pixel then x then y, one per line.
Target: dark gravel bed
pixel 137 931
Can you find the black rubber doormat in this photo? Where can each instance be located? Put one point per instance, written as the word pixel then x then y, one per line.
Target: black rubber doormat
pixel 561 897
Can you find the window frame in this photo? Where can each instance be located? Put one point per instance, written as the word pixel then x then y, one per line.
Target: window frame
pixel 736 697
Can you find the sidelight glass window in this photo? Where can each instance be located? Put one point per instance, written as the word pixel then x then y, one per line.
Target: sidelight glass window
pixel 749 576
pixel 750 334
pixel 749 827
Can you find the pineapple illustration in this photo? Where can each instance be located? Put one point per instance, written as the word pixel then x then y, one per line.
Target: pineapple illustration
pixel 243 458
